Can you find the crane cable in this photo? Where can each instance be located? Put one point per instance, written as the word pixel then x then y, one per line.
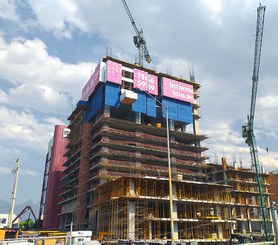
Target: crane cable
pixel 263 130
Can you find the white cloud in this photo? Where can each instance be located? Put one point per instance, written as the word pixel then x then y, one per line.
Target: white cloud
pixel 41 81
pixel 39 97
pixel 175 66
pixel 5 170
pixel 29 172
pixel 8 10
pixel 58 16
pixel 269 102
pixel 23 130
pixel 223 132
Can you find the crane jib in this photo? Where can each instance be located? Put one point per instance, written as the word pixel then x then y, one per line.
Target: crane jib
pixel 139 39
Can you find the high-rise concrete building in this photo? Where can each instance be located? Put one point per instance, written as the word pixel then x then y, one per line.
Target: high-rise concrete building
pixel 274 186
pixel 123 158
pixel 49 208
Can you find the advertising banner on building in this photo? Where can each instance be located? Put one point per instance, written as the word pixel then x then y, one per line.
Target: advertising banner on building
pixel 113 72
pixel 95 78
pixel 145 81
pixel 177 90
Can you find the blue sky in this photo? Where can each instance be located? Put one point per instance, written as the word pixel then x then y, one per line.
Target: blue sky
pixel 48 49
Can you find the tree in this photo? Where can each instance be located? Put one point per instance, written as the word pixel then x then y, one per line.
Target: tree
pixel 26 224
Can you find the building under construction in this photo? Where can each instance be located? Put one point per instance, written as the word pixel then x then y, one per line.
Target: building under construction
pixel 131 126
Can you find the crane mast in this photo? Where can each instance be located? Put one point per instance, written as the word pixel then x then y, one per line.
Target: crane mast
pixel 16 171
pixel 139 39
pixel 248 130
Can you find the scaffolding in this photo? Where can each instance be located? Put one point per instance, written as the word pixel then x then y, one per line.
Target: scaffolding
pixel 138 209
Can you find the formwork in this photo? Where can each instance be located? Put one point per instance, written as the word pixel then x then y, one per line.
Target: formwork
pixel 201 211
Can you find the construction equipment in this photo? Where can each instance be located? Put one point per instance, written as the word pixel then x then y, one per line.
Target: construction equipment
pixel 24 211
pixel 139 39
pixel 248 130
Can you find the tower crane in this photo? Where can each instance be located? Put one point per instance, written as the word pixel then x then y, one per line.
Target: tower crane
pixel 139 39
pixel 248 130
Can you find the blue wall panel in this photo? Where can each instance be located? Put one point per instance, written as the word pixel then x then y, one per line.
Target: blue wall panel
pixel 151 106
pixel 178 110
pixel 140 105
pixel 145 104
pixel 185 112
pixel 172 108
pixel 112 94
pixel 94 103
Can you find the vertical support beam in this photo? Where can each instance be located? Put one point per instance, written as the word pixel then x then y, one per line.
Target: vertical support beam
pixel 220 231
pixel 196 129
pixel 138 118
pixel 106 111
pixel 175 212
pixel 275 219
pixel 172 124
pixel 150 229
pixel 183 127
pixel 131 220
pixel 131 187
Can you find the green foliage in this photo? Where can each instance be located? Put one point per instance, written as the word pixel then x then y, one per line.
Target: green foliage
pixel 27 224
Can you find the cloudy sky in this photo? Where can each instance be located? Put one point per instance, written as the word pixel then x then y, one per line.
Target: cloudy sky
pixel 48 49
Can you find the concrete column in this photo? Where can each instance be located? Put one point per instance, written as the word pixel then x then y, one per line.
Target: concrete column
pixel 275 219
pixel 249 226
pixel 106 111
pixel 196 123
pixel 131 187
pixel 174 190
pixel 220 231
pixel 171 124
pixel 218 213
pixel 131 220
pixel 216 195
pixel 150 229
pixel 183 127
pixel 175 212
pixel 138 117
pixel 171 127
pixel 243 228
pixel 196 129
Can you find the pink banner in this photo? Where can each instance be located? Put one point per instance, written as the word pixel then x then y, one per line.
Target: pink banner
pixel 177 90
pixel 145 81
pixel 91 84
pixel 113 72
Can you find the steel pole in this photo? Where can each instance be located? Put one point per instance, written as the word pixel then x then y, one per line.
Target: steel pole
pixel 16 170
pixel 170 176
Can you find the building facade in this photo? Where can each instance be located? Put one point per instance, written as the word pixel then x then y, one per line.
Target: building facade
pixel 116 180
pixel 4 218
pixel 274 186
pixel 49 208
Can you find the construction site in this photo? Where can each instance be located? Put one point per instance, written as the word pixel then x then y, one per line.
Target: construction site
pixel 117 181
pixel 131 166
pixel 136 169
